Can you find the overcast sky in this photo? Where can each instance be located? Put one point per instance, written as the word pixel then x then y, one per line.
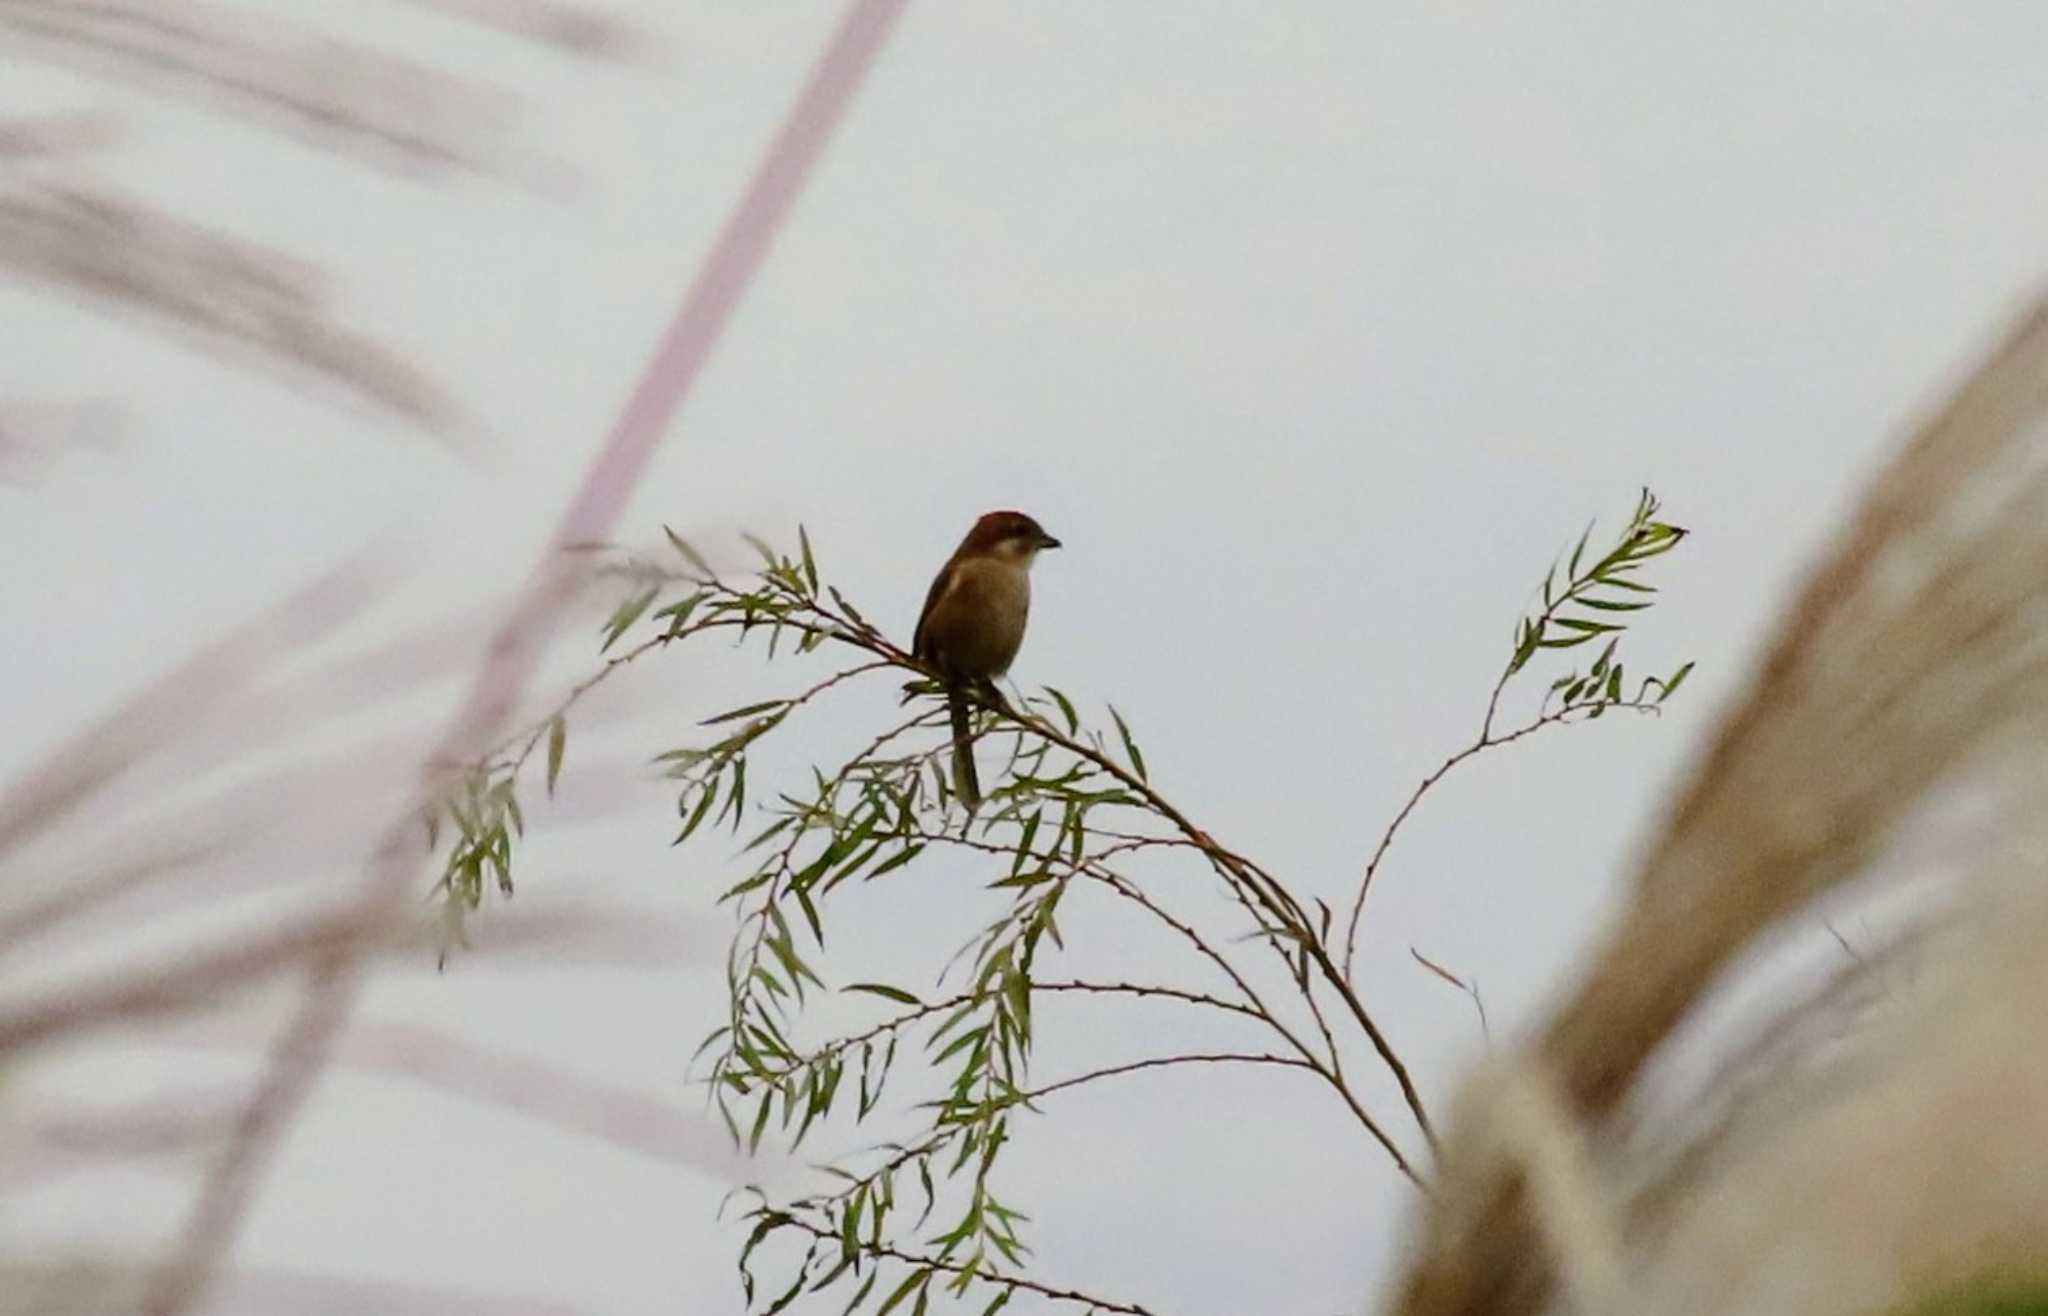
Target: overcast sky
pixel 1313 329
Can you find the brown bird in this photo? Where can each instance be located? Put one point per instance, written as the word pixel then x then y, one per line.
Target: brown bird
pixel 973 622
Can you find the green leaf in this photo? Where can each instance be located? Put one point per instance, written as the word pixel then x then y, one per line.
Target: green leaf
pixel 971 1037
pixel 1024 842
pixel 861 1294
pixel 917 1280
pixel 803 900
pixel 710 1041
pixel 767 979
pixel 1130 746
pixel 499 854
pixel 1528 636
pixel 1011 1250
pixel 1022 881
pixel 769 1222
pixel 558 740
pixel 852 613
pixel 896 861
pixel 745 885
pixel 816 1101
pixel 883 990
pixel 760 545
pixel 1066 710
pixel 689 555
pixel 628 612
pixel 849 1226
pixel 789 1295
pixel 745 711
pixel 703 808
pixel 784 951
pixel 1677 679
pixel 768 833
pixel 810 566
pixel 1017 991
pixel 736 800
pixel 850 844
pixel 1001 1301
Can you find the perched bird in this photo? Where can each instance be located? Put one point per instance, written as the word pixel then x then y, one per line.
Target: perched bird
pixel 973 622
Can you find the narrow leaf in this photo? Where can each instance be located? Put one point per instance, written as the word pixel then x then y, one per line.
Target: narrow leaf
pixel 689 555
pixel 884 990
pixel 628 612
pixel 745 711
pixel 861 1294
pixel 1130 746
pixel 558 740
pixel 803 538
pixel 1066 710
pixel 916 1280
pixel 1677 679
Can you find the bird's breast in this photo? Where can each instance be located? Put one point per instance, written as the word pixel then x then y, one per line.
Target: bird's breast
pixel 978 625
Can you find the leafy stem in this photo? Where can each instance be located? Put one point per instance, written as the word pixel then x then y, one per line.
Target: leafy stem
pixel 1594 602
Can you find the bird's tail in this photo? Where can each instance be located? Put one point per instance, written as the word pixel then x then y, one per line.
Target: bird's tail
pixel 965 783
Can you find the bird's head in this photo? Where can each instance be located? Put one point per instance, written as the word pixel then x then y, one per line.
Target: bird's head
pixel 1007 536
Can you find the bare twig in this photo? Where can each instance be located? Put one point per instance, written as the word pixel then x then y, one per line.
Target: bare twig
pixel 1471 989
pixel 1486 741
pixel 1160 1062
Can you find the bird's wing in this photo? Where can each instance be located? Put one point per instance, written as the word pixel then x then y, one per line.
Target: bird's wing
pixel 940 583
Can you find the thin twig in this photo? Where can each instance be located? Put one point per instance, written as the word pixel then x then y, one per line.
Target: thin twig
pixel 1130 891
pixel 1470 989
pixel 1487 740
pixel 1262 887
pixel 1160 1062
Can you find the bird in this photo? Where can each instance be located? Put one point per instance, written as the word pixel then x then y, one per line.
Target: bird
pixel 973 623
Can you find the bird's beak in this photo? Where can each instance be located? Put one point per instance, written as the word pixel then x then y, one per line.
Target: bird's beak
pixel 1047 541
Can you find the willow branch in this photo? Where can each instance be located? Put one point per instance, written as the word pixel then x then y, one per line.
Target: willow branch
pixel 1160 1062
pixel 1487 740
pixel 1013 1282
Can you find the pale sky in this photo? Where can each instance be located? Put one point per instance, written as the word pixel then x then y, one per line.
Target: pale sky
pixel 1313 329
